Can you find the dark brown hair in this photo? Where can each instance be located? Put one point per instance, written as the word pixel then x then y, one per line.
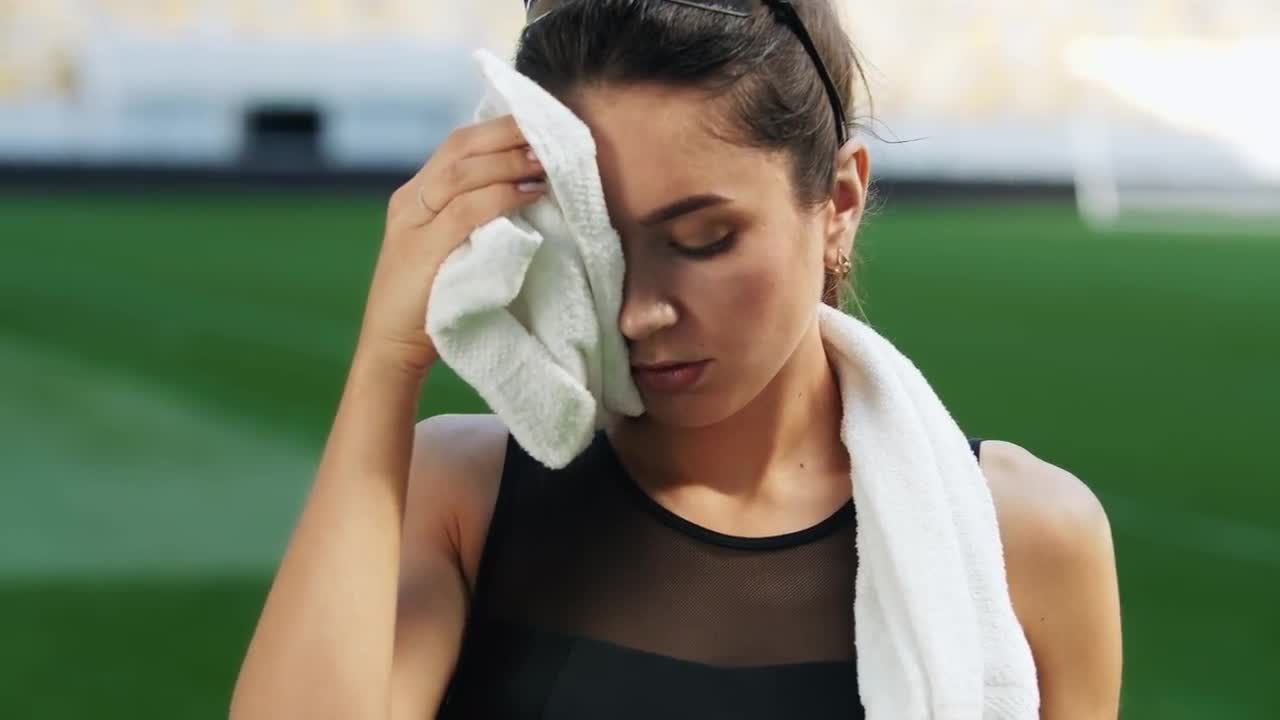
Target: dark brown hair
pixel 773 97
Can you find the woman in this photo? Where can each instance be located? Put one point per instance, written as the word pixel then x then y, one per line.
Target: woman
pixel 695 561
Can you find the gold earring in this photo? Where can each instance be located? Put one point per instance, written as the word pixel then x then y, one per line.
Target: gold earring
pixel 843 266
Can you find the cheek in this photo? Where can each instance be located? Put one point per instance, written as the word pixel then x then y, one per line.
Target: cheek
pixel 756 291
pixel 774 278
pixel 770 298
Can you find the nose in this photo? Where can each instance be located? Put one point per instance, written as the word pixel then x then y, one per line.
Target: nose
pixel 645 308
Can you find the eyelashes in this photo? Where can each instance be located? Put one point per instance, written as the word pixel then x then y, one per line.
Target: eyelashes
pixel 706 251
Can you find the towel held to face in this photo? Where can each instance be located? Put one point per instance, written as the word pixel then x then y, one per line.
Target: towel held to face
pixel 526 312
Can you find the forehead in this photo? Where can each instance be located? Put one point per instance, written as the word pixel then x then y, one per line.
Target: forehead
pixel 657 144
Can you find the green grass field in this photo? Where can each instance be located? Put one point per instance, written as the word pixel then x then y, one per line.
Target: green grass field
pixel 170 364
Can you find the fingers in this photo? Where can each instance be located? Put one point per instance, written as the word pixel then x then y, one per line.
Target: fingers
pixel 465 143
pixel 474 172
pixel 471 157
pixel 474 208
pixel 482 138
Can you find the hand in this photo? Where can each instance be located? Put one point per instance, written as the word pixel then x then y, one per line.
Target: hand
pixel 480 172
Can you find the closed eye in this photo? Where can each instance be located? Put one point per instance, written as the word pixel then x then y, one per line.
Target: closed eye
pixel 706 251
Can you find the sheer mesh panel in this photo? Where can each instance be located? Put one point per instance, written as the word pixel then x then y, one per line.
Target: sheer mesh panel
pixel 584 552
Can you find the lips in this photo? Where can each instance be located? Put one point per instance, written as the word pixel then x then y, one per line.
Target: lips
pixel 654 367
pixel 669 377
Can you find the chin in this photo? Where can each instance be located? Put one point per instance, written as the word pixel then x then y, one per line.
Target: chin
pixel 686 412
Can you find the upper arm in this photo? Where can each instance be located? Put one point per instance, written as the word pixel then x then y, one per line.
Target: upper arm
pixel 454 474
pixel 1062 579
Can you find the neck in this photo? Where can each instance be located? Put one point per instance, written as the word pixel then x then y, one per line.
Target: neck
pixel 791 427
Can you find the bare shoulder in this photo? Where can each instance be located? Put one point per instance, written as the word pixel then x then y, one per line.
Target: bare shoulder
pixel 1043 509
pixel 1062 579
pixel 453 485
pixel 455 469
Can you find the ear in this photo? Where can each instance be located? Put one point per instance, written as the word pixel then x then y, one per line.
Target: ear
pixel 848 197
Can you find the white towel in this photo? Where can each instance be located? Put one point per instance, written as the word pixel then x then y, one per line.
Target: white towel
pixel 937 637
pixel 936 633
pixel 526 310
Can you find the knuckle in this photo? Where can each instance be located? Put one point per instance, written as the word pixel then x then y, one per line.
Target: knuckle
pixel 399 197
pixel 464 207
pixel 464 139
pixel 455 174
pixel 470 210
pixel 519 160
pixel 476 208
pixel 451 141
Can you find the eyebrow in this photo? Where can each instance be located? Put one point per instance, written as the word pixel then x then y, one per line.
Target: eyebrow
pixel 680 207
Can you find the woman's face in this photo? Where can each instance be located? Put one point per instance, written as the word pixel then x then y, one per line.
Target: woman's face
pixel 722 267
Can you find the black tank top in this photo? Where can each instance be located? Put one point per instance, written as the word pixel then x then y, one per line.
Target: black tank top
pixel 594 601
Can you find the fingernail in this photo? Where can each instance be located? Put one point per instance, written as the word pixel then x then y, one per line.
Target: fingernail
pixel 530 154
pixel 531 186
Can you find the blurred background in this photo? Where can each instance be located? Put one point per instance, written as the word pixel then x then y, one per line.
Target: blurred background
pixel 1080 247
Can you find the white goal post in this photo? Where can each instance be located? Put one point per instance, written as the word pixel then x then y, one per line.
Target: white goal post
pixel 1177 134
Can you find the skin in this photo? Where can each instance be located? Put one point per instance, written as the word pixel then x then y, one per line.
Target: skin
pixel 755 448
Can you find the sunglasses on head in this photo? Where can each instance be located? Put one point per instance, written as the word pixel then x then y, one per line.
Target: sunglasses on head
pixel 784 10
